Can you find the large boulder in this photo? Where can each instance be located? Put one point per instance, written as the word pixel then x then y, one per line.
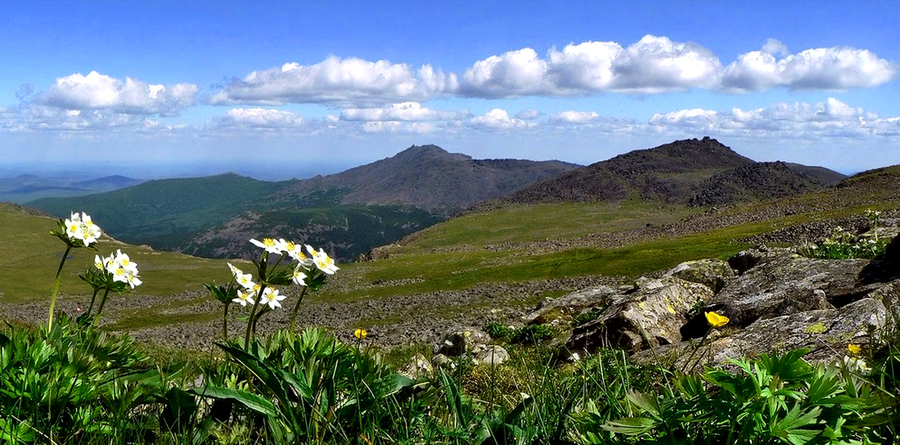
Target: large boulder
pixel 463 341
pixel 826 332
pixel 712 272
pixel 892 254
pixel 652 315
pixel 418 366
pixel 492 355
pixel 564 309
pixel 785 283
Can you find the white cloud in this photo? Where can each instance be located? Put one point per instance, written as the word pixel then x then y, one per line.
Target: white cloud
pixel 575 117
pixel 405 111
pixel 261 118
pixel 96 91
pixel 498 119
pixel 828 119
pixel 337 81
pixel 836 68
pixel 652 65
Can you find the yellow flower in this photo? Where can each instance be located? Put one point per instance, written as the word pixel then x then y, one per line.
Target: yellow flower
pixel 854 349
pixel 715 320
pixel 360 334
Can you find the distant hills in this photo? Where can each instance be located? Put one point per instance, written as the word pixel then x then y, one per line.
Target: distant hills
pixel 26 187
pixel 698 172
pixel 349 213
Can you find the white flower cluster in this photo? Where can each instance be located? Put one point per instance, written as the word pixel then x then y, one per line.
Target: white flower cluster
pixel 120 266
pixel 80 227
pixel 270 296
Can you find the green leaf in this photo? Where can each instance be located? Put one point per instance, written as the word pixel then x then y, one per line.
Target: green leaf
pixel 647 403
pixel 631 426
pixel 251 401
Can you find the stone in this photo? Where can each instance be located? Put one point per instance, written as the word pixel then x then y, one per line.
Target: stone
pixel 462 341
pixel 785 283
pixel 712 272
pixel 440 360
pixel 892 253
pixel 492 355
pixel 563 309
pixel 650 316
pixel 826 332
pixel 417 367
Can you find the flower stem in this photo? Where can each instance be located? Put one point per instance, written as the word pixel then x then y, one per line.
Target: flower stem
pixel 225 325
pixel 695 351
pixel 251 323
pixel 93 297
pixel 297 308
pixel 100 309
pixel 56 287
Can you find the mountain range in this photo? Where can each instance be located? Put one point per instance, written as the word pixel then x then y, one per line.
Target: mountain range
pixel 351 212
pixel 348 213
pixel 698 172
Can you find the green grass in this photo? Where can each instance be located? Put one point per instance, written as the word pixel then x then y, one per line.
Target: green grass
pixel 29 257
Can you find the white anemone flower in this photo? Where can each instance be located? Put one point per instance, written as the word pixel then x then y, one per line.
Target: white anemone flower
pixel 245 280
pixel 123 260
pixel 133 279
pixel 99 263
pixel 272 298
pixel 269 244
pixel 234 270
pixel 243 297
pixel 857 365
pixel 322 261
pixel 299 277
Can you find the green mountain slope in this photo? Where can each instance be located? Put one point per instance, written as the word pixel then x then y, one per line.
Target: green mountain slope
pixel 165 213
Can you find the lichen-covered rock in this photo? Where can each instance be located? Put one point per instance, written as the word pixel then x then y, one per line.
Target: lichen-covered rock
pixel 462 341
pixel 650 316
pixel 492 355
pixel 747 259
pixel 825 332
pixel 565 308
pixel 418 366
pixel 712 272
pixel 787 283
pixel 440 360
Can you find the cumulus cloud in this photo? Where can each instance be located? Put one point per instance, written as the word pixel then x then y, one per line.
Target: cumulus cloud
pixel 337 81
pixel 498 119
pixel 653 64
pixel 405 111
pixel 260 118
pixel 836 68
pixel 830 118
pixel 575 117
pixel 96 91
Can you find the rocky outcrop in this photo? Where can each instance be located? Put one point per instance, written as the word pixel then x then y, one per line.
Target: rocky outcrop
pixel 711 272
pixel 417 367
pixel 564 309
pixel 462 341
pixel 826 332
pixel 492 355
pixel 892 254
pixel 650 316
pixel 784 283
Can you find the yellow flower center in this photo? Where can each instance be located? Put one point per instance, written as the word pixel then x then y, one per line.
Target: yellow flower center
pixel 269 242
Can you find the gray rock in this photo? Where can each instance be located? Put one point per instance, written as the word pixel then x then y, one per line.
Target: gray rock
pixel 564 309
pixel 440 360
pixel 418 366
pixel 826 332
pixel 712 272
pixel 462 341
pixel 492 355
pixel 784 283
pixel 650 316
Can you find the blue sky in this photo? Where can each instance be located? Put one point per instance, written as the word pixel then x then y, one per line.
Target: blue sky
pixel 287 89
